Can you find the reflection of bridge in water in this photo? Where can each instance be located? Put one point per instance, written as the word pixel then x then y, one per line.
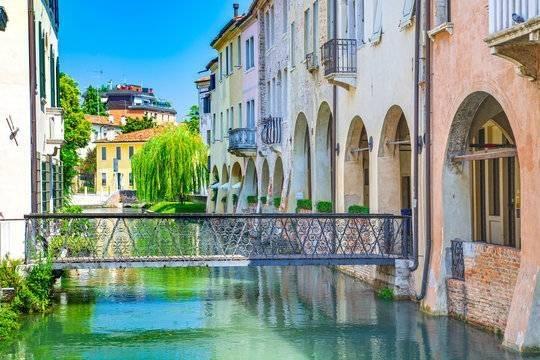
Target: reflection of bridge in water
pixel 151 240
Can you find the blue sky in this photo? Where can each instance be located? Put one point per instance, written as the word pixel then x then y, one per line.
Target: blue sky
pixel 161 43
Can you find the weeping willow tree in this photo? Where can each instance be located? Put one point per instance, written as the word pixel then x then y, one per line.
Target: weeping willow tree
pixel 170 166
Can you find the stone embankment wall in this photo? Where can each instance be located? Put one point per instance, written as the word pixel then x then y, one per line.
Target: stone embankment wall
pixel 485 296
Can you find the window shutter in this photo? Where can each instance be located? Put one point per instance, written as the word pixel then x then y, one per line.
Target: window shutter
pixel 408 12
pixel 42 88
pixel 442 12
pixel 377 23
pixel 52 77
pixel 58 82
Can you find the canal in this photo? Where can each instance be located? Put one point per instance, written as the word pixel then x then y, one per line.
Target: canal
pixel 238 313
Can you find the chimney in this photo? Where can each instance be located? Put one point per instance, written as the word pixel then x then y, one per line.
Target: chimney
pixel 236 6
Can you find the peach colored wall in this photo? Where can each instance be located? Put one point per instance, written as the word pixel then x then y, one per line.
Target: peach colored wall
pixel 461 65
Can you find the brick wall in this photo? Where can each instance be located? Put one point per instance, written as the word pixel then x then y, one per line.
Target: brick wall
pixel 485 296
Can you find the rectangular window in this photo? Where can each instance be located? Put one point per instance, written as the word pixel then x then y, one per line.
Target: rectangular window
pixel 131 179
pixel 118 153
pixel 206 105
pixel 209 135
pixel 360 21
pixel 307 37
pixel 315 30
pixel 267 30
pixel 269 97
pixel 103 153
pixel 239 48
pixel 103 179
pixel 494 183
pixel 227 60
pixel 250 114
pixel 272 27
pixel 214 128
pixel 293 45
pixel 221 125
pixel 231 121
pixel 240 115
pixel 131 151
pixel 227 122
pixel 330 20
pixel 285 15
pixel 221 66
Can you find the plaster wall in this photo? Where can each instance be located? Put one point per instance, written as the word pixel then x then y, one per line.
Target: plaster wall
pixel 462 65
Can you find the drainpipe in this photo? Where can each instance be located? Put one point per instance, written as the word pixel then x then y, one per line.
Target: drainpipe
pixel 426 15
pixel 333 124
pixel 32 94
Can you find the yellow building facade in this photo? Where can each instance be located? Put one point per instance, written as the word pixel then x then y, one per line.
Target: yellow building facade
pixel 113 160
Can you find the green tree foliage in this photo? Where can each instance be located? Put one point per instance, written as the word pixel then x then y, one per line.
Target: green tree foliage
pixel 136 124
pixel 170 166
pixel 92 104
pixel 88 167
pixel 193 120
pixel 76 129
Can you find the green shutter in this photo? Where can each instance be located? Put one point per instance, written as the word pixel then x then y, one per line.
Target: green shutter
pixel 42 88
pixel 58 82
pixel 52 77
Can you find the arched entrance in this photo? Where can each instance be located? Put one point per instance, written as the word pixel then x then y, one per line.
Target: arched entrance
pixel 356 168
pixel 223 193
pixel 323 165
pixel 394 164
pixel 265 182
pixel 236 185
pixel 249 189
pixel 277 181
pixel 214 190
pixel 482 197
pixel 301 165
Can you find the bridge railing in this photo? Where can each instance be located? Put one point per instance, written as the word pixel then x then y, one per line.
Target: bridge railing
pixel 260 239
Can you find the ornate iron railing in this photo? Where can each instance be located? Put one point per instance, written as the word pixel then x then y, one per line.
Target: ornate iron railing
pixel 242 139
pixel 271 130
pixel 339 56
pixel 312 63
pixel 458 264
pixel 130 240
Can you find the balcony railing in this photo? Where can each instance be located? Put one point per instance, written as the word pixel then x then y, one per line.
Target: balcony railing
pixel 503 14
pixel 312 63
pixel 271 130
pixel 458 264
pixel 339 57
pixel 242 140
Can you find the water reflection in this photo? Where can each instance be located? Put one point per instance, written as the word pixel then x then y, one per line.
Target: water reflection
pixel 239 313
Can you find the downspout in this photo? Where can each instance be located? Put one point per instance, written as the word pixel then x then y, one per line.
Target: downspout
pixel 32 94
pixel 333 124
pixel 427 146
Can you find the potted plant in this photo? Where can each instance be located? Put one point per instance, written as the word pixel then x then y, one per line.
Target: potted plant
pixel 304 206
pixel 324 207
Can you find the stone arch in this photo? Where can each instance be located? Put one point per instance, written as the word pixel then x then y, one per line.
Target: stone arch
pixel 322 155
pixel 265 179
pixel 301 164
pixel 224 189
pixel 214 190
pixel 356 167
pixel 249 188
pixel 277 180
pixel 235 185
pixel 395 164
pixel 481 197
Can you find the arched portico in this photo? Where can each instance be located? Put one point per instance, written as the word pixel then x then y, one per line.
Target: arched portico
pixel 265 181
pixel 356 167
pixel 277 180
pixel 223 193
pixel 235 186
pixel 301 164
pixel 481 177
pixel 249 188
pixel 394 164
pixel 322 156
pixel 214 190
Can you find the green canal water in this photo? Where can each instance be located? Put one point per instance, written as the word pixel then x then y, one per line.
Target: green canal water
pixel 238 313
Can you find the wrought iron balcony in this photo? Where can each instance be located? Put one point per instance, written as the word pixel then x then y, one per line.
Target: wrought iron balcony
pixel 339 60
pixel 242 141
pixel 312 63
pixel 514 27
pixel 271 130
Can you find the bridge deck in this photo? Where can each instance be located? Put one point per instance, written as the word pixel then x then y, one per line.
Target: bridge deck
pixel 217 261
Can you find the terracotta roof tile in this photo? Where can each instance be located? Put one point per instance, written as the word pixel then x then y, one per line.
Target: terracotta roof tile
pixel 102 120
pixel 136 136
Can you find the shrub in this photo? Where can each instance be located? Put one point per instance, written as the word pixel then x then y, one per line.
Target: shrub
pixel 324 207
pixel 8 322
pixel 75 246
pixel 35 293
pixel 70 209
pixel 358 209
pixel 304 204
pixel 252 199
pixel 385 294
pixel 235 199
pixel 264 200
pixel 9 276
pixel 277 202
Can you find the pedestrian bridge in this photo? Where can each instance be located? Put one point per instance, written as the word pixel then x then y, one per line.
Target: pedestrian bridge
pixel 94 241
